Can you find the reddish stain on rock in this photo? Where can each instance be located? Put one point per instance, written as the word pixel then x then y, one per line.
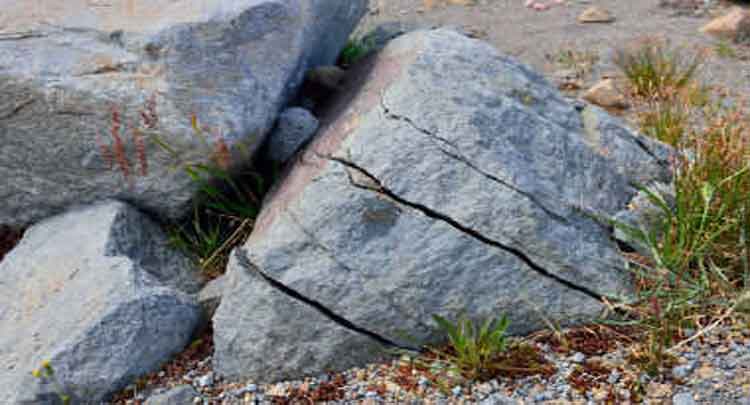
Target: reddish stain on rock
pixel 361 93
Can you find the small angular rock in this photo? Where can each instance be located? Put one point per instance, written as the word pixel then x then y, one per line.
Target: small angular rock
pixel 606 94
pixel 735 26
pixel 294 128
pixel 595 14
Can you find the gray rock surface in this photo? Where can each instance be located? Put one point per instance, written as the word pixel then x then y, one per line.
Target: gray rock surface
pixel 180 395
pixel 642 214
pixel 447 179
pixel 92 291
pixel 64 68
pixel 294 127
pixel 209 296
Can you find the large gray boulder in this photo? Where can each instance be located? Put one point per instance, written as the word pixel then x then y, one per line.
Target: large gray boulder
pixel 447 179
pixel 64 68
pixel 95 291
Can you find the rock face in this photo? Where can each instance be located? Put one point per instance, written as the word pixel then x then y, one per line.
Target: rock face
pixel 65 68
pixel 447 179
pixel 95 292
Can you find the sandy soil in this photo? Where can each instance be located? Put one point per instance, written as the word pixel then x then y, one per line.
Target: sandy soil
pixel 538 38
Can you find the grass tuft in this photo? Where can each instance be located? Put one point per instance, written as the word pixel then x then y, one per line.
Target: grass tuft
pixel 698 262
pixel 473 348
pixel 655 69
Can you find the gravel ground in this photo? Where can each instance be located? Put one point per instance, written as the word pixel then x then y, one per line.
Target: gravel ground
pixel 597 368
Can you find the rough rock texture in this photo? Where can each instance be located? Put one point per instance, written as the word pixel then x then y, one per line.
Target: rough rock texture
pixel 448 178
pixel 92 291
pixel 606 94
pixel 180 395
pixel 295 127
pixel 65 66
pixel 642 214
pixel 209 297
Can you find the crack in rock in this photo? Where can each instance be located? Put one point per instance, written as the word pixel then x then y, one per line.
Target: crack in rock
pixel 247 265
pixel 463 228
pixel 459 157
pixel 17 109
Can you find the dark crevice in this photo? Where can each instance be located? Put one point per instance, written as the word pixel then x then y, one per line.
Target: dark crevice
pixel 249 266
pixel 457 156
pixel 17 109
pixel 523 257
pixel 411 123
pixel 498 180
pixel 649 152
pixel 17 36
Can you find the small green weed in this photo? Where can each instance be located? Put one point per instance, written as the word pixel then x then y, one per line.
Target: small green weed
pixel 354 50
pixel 473 348
pixel 46 373
pixel 224 209
pixel 725 50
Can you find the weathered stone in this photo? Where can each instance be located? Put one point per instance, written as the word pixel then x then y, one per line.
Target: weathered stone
pixel 735 26
pixel 180 395
pixel 595 14
pixel 605 94
pixel 295 126
pixel 91 291
pixel 448 179
pixel 64 68
pixel 210 296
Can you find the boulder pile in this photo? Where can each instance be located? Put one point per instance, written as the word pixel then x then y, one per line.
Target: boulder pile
pixel 440 178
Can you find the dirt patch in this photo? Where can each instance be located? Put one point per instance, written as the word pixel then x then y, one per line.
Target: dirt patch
pixel 543 39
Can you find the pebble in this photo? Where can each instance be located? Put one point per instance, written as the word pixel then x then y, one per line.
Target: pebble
pixel 683 398
pixel 682 372
pixel 205 380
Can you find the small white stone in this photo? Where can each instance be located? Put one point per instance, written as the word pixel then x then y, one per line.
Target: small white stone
pixel 206 380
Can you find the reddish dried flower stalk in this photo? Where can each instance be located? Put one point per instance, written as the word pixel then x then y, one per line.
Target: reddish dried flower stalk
pixel 221 155
pixel 106 151
pixel 655 307
pixel 119 147
pixel 140 150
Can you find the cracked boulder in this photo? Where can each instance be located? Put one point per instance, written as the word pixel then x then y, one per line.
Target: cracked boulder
pixel 447 179
pixel 97 98
pixel 97 293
